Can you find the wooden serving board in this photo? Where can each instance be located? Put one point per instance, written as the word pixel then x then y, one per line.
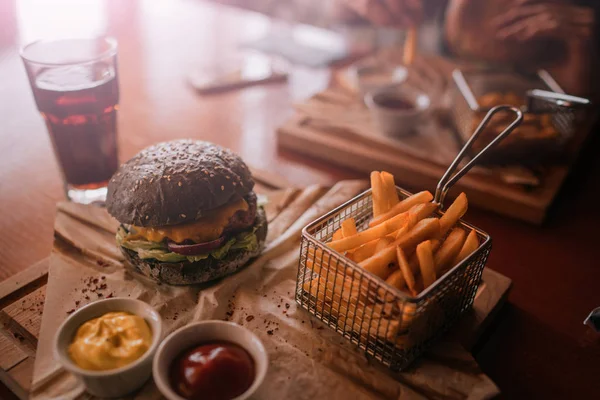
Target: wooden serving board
pixel 344 134
pixel 22 301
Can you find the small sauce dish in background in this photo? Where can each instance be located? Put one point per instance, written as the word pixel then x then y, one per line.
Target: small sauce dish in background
pixel 114 382
pixel 192 344
pixel 398 109
pixel 366 78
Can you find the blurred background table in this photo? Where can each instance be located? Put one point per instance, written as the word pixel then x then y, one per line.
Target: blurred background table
pixel 538 346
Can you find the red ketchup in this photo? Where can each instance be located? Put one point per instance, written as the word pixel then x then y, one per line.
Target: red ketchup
pixel 213 371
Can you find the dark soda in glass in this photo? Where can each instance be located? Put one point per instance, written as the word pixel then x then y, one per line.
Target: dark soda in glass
pixel 78 99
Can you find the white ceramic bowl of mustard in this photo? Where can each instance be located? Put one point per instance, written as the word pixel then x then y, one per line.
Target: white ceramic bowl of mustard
pixel 202 332
pixel 119 381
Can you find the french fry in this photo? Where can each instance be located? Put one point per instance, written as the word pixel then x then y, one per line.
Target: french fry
pixel 410 46
pixel 406 271
pixel 349 227
pixel 316 267
pixel 426 263
pixel 347 303
pixel 411 220
pixel 449 250
pixel 408 313
pixel 368 320
pixel 419 284
pixel 425 229
pixel 453 214
pixel 341 295
pixel 321 263
pixel 379 263
pixel 365 251
pixel 382 244
pixel 379 231
pixel 379 201
pixel 404 341
pixel 329 299
pixel 381 320
pixel 324 289
pixel 396 279
pixel 379 327
pixel 471 244
pixel 390 189
pixel 414 263
pixel 401 232
pixel 421 211
pixel 331 286
pixel 403 206
pixel 337 235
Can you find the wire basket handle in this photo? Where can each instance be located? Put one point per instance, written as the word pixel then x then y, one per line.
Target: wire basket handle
pixel 541 101
pixel 450 178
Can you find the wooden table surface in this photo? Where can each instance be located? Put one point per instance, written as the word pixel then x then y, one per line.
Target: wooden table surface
pixel 538 346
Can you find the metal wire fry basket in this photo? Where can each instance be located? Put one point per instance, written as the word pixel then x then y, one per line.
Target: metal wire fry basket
pixel 388 324
pixel 544 135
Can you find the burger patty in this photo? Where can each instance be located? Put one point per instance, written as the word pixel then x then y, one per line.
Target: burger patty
pixel 243 219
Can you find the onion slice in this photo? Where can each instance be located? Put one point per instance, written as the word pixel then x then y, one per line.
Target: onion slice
pixel 196 248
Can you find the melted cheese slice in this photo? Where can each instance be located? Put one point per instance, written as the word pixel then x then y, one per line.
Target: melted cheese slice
pixel 205 229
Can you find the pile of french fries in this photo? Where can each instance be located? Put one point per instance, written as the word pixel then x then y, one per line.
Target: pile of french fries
pixel 405 244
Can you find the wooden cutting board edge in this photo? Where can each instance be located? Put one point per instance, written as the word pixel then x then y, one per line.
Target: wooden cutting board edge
pixel 413 172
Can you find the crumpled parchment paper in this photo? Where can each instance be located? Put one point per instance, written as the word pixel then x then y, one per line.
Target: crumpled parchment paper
pixel 307 359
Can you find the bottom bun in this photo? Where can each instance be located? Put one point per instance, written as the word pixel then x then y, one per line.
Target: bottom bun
pixel 189 273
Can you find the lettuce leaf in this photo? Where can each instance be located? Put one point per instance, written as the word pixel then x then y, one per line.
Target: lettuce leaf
pixel 159 251
pixel 198 257
pixel 247 241
pixel 221 252
pixel 160 255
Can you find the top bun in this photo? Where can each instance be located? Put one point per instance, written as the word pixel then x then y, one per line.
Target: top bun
pixel 175 182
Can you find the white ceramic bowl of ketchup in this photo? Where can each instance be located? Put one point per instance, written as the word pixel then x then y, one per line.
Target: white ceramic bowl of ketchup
pixel 200 333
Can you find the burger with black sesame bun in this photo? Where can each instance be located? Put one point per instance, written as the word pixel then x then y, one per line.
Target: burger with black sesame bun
pixel 187 211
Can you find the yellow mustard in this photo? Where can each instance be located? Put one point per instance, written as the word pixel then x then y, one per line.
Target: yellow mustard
pixel 110 341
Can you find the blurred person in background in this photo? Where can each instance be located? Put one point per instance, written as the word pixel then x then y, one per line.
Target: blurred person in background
pixel 391 13
pixel 559 35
